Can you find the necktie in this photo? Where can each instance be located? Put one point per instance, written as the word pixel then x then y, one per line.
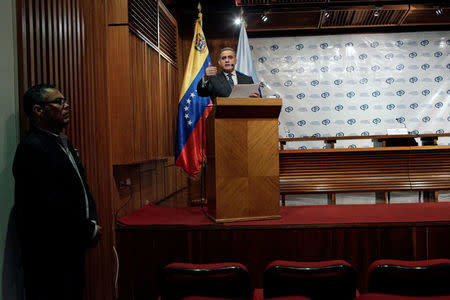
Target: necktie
pixel 230 80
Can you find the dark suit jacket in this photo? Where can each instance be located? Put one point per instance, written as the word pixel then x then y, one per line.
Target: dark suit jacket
pixel 50 201
pixel 218 86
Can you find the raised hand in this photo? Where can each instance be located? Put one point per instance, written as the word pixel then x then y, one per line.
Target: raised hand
pixel 210 71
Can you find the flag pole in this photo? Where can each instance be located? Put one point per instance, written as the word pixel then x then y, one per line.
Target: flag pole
pixel 203 200
pixel 242 17
pixel 200 15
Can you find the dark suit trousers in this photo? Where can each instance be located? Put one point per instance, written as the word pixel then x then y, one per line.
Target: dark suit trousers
pixel 59 278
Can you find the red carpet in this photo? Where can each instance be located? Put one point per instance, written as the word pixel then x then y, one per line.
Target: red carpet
pixel 300 215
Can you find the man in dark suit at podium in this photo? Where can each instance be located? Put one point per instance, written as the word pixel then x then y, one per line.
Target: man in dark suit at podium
pixel 56 213
pixel 221 84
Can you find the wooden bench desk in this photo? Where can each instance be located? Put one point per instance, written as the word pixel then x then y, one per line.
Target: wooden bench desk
pixel 380 169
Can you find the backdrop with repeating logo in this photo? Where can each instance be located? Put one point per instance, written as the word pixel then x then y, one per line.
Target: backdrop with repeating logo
pixel 358 84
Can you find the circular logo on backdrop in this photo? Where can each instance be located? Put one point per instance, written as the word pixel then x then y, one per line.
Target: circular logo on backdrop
pixel 301 96
pixel 325 95
pixel 338 107
pixel 425 67
pixel 200 43
pixel 400 120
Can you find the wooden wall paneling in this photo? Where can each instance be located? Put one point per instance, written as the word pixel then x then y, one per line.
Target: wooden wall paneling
pixel 51 50
pixel 153 87
pixel 438 244
pixel 128 197
pixel 163 110
pixel 256 247
pixel 121 109
pixel 175 100
pixel 64 42
pixel 138 97
pixel 117 11
pixel 172 109
pixel 160 179
pixel 170 173
pixel 148 182
pixel 100 261
pixel 143 284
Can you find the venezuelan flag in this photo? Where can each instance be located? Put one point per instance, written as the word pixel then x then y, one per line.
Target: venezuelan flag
pixel 190 149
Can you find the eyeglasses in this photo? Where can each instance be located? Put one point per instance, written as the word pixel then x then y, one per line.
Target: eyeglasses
pixel 59 101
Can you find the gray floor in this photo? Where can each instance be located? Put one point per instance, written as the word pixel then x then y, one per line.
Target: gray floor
pixel 359 198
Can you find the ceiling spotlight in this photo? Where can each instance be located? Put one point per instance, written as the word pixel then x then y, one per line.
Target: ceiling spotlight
pixel 326 14
pixel 237 21
pixel 438 11
pixel 264 17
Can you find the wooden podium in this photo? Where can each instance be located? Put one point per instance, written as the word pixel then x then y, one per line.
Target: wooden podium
pixel 242 173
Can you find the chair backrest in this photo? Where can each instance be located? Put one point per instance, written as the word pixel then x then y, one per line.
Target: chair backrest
pixel 410 278
pixel 334 279
pixel 221 280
